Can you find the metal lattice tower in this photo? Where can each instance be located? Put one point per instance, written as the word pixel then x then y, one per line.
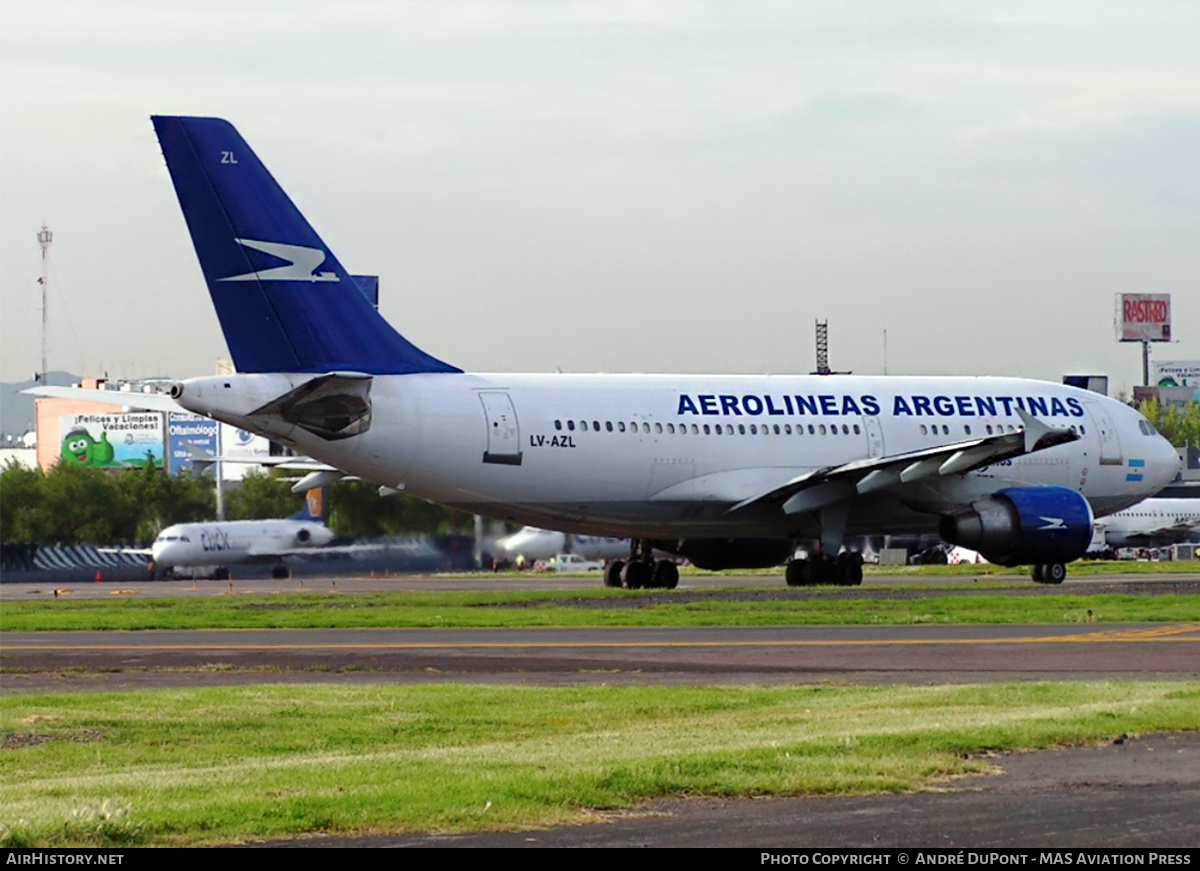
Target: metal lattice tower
pixel 822 348
pixel 44 237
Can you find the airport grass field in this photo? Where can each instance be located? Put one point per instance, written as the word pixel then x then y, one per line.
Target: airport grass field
pixel 229 765
pixel 245 763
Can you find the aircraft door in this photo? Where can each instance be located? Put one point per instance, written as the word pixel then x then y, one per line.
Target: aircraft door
pixel 1110 443
pixel 874 436
pixel 503 433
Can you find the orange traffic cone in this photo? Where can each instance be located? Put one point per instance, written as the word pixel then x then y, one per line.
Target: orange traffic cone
pixel 99 576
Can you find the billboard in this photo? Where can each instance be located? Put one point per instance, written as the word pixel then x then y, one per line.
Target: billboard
pixel 184 429
pixel 1094 383
pixel 1144 317
pixel 1177 373
pixel 112 441
pixel 242 448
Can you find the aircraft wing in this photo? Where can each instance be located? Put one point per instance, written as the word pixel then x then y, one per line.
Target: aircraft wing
pixel 145 401
pixel 275 552
pixel 1160 536
pixel 820 487
pixel 318 474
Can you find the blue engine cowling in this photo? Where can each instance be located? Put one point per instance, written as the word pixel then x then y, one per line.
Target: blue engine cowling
pixel 1024 526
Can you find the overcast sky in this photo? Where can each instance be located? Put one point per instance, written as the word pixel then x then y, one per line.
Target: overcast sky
pixel 627 186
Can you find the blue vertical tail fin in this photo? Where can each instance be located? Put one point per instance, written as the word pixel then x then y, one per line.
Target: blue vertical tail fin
pixel 284 301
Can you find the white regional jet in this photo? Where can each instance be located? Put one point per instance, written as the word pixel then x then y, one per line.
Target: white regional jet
pixel 729 471
pixel 220 544
pixel 1152 523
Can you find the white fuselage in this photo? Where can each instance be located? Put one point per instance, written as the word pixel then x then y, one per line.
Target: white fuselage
pixel 225 543
pixel 1153 523
pixel 541 544
pixel 666 456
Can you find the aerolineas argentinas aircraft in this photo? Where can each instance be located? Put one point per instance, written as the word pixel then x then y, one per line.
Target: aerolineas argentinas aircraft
pixel 728 471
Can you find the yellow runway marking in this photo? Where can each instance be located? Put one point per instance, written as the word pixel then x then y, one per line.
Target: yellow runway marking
pixel 1153 635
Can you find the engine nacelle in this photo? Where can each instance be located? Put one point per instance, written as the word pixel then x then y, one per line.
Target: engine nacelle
pixel 715 554
pixel 1024 526
pixel 303 536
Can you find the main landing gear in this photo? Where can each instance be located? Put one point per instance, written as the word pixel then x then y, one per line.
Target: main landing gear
pixel 642 571
pixel 1049 573
pixel 845 570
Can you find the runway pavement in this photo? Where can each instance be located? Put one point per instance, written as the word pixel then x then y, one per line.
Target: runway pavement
pixel 63 661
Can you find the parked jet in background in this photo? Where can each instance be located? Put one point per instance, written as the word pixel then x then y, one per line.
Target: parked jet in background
pixel 1152 523
pixel 534 544
pixel 728 471
pixel 541 544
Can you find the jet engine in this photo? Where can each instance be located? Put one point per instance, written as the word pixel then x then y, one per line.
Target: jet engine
pixel 1024 526
pixel 715 554
pixel 303 536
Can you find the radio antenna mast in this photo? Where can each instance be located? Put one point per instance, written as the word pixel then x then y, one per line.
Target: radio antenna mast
pixel 44 237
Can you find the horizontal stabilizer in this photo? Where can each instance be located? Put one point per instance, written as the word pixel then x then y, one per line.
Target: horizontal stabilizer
pixel 133 401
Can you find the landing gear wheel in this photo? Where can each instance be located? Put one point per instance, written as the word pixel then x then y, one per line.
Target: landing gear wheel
pixel 612 573
pixel 279 572
pixel 1054 573
pixel 1036 573
pixel 794 574
pixel 666 575
pixel 847 569
pixel 816 571
pixel 852 574
pixel 637 574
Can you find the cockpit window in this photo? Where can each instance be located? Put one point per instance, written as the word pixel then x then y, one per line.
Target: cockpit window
pixel 1147 428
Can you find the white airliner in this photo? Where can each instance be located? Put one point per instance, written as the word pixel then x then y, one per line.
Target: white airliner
pixel 1152 523
pixel 541 544
pixel 729 471
pixel 216 546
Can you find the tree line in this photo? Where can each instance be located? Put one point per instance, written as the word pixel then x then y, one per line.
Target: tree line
pixel 80 505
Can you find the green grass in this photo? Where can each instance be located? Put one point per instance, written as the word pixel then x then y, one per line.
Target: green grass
pixel 1081 568
pixel 231 764
pixel 593 607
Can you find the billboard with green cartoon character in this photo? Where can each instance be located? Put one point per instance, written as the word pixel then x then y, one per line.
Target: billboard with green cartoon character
pixel 112 441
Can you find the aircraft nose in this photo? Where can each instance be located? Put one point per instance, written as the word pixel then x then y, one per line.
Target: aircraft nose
pixel 1165 464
